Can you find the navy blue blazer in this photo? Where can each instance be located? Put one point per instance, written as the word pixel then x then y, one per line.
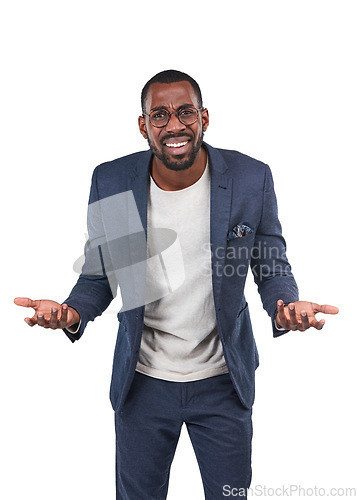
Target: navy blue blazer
pixel 244 231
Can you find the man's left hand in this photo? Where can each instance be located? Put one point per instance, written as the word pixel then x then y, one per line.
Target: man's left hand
pixel 300 315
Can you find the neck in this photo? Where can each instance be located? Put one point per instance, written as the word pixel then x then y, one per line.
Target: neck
pixel 172 180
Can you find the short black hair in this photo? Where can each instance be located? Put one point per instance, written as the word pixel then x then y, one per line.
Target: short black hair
pixel 171 76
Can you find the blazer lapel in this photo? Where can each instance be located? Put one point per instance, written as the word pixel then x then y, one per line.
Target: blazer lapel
pixel 221 195
pixel 139 185
pixel 134 275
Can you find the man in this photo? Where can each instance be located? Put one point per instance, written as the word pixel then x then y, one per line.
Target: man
pixel 185 350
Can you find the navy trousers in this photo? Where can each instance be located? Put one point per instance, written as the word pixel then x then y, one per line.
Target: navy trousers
pixel 148 428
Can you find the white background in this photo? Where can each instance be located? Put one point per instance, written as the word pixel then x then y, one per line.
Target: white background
pixel 278 78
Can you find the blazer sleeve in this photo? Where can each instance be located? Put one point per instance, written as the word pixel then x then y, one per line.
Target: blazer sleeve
pixel 269 263
pixel 93 292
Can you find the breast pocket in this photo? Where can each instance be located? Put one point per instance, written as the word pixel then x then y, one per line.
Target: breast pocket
pixel 240 248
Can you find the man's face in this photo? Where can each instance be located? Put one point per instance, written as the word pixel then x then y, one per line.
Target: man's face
pixel 186 138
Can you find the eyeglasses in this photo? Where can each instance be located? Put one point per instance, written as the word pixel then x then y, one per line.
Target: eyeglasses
pixel 160 118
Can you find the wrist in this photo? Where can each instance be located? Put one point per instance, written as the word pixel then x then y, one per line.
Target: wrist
pixel 75 316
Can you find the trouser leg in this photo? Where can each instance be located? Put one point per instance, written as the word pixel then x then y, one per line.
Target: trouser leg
pixel 220 429
pixel 147 432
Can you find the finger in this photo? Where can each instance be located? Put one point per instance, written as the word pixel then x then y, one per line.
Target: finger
pixel 64 316
pixel 305 324
pixel 53 318
pixel 325 309
pixel 293 319
pixel 25 302
pixel 41 319
pixel 31 321
pixel 280 317
pixel 317 324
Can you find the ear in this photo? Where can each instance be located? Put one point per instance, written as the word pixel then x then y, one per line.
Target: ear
pixel 205 119
pixel 142 126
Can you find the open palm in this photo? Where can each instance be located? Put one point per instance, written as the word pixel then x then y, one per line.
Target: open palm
pixel 49 313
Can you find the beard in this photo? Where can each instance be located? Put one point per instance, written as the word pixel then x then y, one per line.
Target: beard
pixel 177 164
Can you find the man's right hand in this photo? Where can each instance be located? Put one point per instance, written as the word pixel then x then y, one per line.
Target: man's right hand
pixel 49 314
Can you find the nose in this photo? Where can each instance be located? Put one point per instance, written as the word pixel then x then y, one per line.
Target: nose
pixel 174 125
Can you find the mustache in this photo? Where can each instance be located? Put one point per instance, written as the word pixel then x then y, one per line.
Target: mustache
pixel 176 136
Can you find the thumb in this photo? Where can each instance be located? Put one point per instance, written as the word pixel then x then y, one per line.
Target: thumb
pixel 326 309
pixel 26 302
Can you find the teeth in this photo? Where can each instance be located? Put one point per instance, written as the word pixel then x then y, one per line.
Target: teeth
pixel 176 144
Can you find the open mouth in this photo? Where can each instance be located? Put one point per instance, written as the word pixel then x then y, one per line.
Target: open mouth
pixel 176 144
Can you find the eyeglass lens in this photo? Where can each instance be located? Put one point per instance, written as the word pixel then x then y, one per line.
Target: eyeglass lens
pixel 160 118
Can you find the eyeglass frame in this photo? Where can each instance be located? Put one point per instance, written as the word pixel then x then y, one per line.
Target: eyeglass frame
pixel 174 113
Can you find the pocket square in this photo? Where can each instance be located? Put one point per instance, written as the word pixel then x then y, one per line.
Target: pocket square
pixel 239 231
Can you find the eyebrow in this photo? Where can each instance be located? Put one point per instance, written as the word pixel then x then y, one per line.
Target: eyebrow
pixel 182 106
